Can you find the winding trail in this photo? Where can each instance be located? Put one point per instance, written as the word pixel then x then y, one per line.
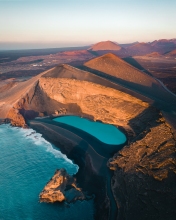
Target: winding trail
pixel 162 84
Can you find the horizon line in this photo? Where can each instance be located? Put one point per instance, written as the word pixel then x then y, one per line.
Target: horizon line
pixel 63 47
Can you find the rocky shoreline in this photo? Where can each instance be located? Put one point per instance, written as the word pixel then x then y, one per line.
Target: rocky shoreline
pixel 143 166
pixel 144 170
pixel 92 177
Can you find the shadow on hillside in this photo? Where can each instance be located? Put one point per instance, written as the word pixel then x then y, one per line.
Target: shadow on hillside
pixel 28 114
pixel 155 92
pixel 93 53
pixel 146 118
pixel 120 53
pixel 137 65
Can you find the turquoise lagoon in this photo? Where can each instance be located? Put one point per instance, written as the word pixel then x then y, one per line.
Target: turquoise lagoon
pixel 27 162
pixel 106 133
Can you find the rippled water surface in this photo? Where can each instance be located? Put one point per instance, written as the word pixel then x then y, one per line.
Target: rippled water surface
pixel 106 133
pixel 27 162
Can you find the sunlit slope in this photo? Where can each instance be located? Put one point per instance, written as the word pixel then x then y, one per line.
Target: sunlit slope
pixel 10 97
pixel 83 93
pixel 130 77
pixel 105 45
pixel 76 91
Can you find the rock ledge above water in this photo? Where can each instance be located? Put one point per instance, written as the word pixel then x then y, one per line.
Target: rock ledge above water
pixel 61 187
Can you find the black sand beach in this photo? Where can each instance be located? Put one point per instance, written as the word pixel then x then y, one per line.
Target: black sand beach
pixel 91 155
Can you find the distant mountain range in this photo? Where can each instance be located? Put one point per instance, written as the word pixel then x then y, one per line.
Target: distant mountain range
pixel 162 47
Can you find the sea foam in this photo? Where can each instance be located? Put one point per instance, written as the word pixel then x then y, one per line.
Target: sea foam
pixel 27 162
pixel 37 139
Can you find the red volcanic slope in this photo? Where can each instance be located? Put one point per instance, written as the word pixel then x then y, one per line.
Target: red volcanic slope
pixel 171 53
pixel 140 49
pixel 129 76
pixel 105 45
pixel 154 54
pixel 115 66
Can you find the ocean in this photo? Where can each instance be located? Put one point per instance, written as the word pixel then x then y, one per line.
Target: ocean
pixel 27 162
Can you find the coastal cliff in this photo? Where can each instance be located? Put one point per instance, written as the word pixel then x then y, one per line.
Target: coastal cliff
pixel 80 97
pixel 145 174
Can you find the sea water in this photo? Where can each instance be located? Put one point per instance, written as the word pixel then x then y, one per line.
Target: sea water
pixel 27 162
pixel 106 133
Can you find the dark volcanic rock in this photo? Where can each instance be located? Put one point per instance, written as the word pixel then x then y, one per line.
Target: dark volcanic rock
pixel 145 175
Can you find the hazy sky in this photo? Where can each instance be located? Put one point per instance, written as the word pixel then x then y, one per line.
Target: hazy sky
pixel 60 23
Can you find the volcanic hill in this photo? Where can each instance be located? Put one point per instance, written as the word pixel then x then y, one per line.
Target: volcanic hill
pixel 105 45
pixel 117 70
pixel 153 54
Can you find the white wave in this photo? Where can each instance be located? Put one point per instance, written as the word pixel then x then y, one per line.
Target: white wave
pixel 38 140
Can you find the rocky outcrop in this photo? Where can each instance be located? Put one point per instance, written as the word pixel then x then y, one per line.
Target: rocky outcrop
pixel 145 173
pixel 61 187
pixel 16 118
pixel 153 154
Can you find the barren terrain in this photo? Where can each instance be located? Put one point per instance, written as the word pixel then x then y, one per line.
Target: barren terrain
pixel 114 92
pixel 161 67
pixel 29 66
